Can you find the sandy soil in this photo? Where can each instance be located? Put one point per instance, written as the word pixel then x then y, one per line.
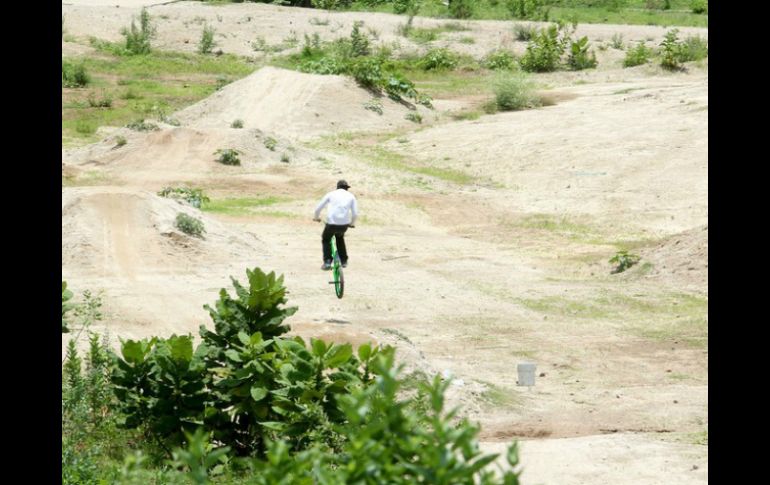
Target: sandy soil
pixel 467 279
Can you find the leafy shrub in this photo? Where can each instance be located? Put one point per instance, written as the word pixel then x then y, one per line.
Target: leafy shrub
pixel 138 38
pixel 438 59
pixel 141 125
pixel 207 42
pixel 638 55
pixel 669 56
pixel 528 9
pixel 461 9
pixel 120 141
pixel 579 57
pixel 228 156
pixel 544 51
pixel 302 413
pixel 699 6
pixel 74 75
pixel 397 86
pixel 367 71
pixel 189 225
pixel 237 124
pixel 515 91
pixel 194 197
pixel 199 457
pixel 500 60
pixel 270 143
pixel 359 42
pixel 624 260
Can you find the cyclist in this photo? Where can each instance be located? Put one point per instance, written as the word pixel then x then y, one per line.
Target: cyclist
pixel 341 214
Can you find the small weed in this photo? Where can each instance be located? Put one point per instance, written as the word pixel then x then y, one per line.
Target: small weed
pixel 624 260
pixel 317 21
pixel 414 117
pixel 237 124
pixel 228 156
pixel 374 105
pixel 285 158
pixel 141 125
pixel 74 75
pixel 103 102
pixel 207 42
pixel 617 41
pixel 120 141
pixel 189 225
pixel 270 143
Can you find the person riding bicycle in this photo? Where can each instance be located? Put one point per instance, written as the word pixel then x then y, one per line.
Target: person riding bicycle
pixel 342 213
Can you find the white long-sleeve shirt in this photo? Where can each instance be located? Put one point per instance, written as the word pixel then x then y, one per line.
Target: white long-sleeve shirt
pixel 343 208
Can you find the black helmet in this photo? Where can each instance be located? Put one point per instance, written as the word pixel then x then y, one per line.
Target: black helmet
pixel 343 185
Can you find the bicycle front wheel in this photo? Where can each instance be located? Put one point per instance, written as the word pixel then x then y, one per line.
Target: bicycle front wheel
pixel 339 281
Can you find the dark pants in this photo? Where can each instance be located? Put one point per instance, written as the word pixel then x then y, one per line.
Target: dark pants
pixel 326 240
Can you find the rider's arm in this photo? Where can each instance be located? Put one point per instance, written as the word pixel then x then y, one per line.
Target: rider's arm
pixel 354 210
pixel 320 207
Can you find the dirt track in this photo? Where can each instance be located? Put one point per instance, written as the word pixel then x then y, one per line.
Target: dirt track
pixel 465 278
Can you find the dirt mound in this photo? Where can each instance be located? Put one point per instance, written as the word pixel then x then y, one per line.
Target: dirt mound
pixel 296 105
pixel 176 154
pixel 683 258
pixel 115 232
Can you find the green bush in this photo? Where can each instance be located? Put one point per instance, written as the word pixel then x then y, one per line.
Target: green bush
pixel 237 124
pixel 579 57
pixel 367 71
pixel 461 9
pixel 438 59
pixel 544 51
pixel 296 412
pixel 637 56
pixel 359 42
pixel 528 9
pixel 515 91
pixel 194 197
pixel 86 127
pixel 189 225
pixel 138 38
pixel 699 6
pixel 207 42
pixel 74 75
pixel 624 260
pixel 228 156
pixel 670 53
pixel 500 60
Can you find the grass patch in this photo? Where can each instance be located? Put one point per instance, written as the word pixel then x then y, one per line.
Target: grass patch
pixel 144 86
pixel 382 157
pixel 499 397
pixel 633 12
pixel 240 206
